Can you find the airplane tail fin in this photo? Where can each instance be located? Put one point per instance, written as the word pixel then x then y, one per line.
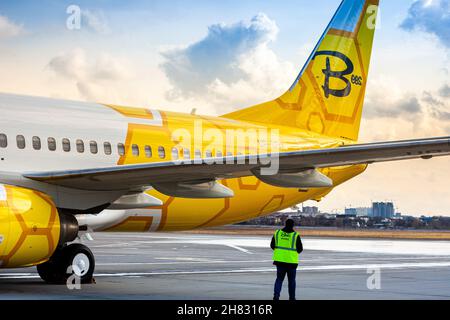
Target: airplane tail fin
pixel 328 95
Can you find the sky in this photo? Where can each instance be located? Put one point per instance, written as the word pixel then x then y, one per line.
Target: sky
pixel 220 56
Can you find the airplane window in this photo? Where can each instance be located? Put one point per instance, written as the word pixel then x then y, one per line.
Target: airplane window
pixel 161 152
pixel 121 149
pixel 20 142
pixel 36 143
pixel 198 154
pixel 51 144
pixel 219 154
pixel 208 154
pixel 148 151
pixel 94 147
pixel 66 145
pixel 107 147
pixel 80 146
pixel 186 153
pixel 135 150
pixel 3 140
pixel 175 153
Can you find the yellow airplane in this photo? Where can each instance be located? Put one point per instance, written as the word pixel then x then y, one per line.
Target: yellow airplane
pixel 71 167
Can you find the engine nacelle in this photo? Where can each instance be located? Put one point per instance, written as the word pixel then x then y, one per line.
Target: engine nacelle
pixel 30 227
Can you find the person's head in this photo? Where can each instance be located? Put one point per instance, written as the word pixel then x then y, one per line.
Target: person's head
pixel 289 224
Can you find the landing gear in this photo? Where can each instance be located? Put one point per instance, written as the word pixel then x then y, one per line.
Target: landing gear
pixel 75 259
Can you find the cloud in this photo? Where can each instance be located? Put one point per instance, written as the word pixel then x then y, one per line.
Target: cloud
pixel 9 29
pixel 90 75
pixel 96 21
pixel 392 113
pixel 76 65
pixel 232 64
pixel 72 65
pixel 445 91
pixel 385 99
pixel 431 16
pixel 407 107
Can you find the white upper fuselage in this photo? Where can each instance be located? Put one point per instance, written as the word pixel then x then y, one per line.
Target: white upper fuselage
pixel 58 119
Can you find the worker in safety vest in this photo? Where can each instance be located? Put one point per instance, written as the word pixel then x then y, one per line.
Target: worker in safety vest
pixel 286 245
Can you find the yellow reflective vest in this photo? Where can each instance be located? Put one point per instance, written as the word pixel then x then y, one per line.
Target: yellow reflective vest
pixel 285 247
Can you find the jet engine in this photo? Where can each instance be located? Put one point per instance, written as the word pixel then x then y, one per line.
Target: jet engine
pixel 31 228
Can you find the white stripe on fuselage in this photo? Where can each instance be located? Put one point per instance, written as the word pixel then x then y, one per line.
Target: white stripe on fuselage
pixel 3 195
pixel 157 120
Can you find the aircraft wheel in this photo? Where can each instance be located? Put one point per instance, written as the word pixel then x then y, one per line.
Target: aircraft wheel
pixel 73 260
pixel 48 272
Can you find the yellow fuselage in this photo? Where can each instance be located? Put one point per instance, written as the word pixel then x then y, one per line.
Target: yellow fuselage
pixel 253 198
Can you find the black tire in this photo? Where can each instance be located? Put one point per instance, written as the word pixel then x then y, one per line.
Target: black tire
pixel 48 272
pixel 56 270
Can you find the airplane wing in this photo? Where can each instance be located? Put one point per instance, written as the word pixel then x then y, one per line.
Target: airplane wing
pixel 145 175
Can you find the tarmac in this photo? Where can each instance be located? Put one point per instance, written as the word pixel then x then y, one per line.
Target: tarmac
pixel 179 266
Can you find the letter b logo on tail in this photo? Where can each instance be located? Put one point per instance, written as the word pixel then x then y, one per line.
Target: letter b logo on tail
pixel 341 75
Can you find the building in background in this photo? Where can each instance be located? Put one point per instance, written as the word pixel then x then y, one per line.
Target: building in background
pixel 310 211
pixel 383 210
pixel 380 216
pixel 351 212
pixel 358 212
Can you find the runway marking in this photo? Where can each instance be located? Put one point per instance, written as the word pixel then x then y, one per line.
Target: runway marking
pixel 186 259
pixel 111 255
pixel 198 241
pixel 20 277
pixel 112 245
pixel 236 262
pixel 251 270
pixel 378 246
pixel 382 266
pixel 263 270
pixel 239 248
pixel 334 259
pixel 185 262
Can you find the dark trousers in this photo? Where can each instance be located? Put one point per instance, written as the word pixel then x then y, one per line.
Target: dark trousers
pixel 281 274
